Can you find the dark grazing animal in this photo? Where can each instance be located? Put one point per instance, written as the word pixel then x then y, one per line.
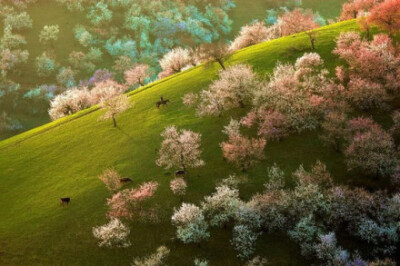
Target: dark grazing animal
pixel 125 180
pixel 162 102
pixel 180 173
pixel 64 201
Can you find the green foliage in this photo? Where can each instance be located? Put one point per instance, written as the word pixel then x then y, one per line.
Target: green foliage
pixel 45 65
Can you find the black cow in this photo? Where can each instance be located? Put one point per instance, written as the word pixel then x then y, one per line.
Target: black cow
pixel 64 201
pixel 125 180
pixel 180 173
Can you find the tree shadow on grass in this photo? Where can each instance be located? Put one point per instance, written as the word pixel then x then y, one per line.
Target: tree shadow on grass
pixel 124 133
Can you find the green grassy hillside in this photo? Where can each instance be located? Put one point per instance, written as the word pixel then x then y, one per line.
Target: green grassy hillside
pixel 64 158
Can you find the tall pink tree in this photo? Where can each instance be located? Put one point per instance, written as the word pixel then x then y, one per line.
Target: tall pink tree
pixel 387 16
pixel 357 8
pixel 251 35
pixel 240 150
pixel 297 21
pixel 137 74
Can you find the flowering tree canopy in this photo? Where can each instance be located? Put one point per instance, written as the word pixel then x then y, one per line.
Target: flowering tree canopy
pixel 180 149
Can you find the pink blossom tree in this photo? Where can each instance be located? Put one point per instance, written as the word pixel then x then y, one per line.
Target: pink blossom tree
pixel 271 124
pixel 242 151
pixel 253 34
pixel 107 89
pixel 372 151
pixel 297 21
pixel 296 92
pixel 375 61
pixel 214 52
pixel 386 15
pixel 356 8
pixel 127 203
pixel 137 75
pixel 115 106
pixel 180 149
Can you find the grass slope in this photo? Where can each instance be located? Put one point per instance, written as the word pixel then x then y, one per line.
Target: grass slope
pixel 64 158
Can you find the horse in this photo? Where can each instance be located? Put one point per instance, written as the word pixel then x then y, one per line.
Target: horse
pixel 162 102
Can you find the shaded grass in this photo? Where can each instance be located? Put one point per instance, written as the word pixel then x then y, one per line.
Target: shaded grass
pixel 64 158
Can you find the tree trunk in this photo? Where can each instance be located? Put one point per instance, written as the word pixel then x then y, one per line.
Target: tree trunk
pixel 312 40
pixel 114 121
pixel 182 163
pixel 221 63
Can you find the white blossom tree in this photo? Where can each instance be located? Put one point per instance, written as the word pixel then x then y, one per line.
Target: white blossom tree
pixel 174 61
pixel 234 86
pixel 190 223
pixel 221 206
pixel 113 234
pixel 253 34
pixel 180 149
pixel 115 106
pixel 69 102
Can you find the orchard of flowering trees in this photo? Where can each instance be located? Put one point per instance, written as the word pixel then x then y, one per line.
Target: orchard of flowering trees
pixel 154 40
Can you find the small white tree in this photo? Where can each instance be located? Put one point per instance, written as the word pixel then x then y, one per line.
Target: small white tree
pixel 190 99
pixel 178 186
pixel 253 34
pixel 49 34
pixel 69 102
pixel 137 74
pixel 190 223
pixel 180 149
pixel 113 234
pixel 174 61
pixel 115 106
